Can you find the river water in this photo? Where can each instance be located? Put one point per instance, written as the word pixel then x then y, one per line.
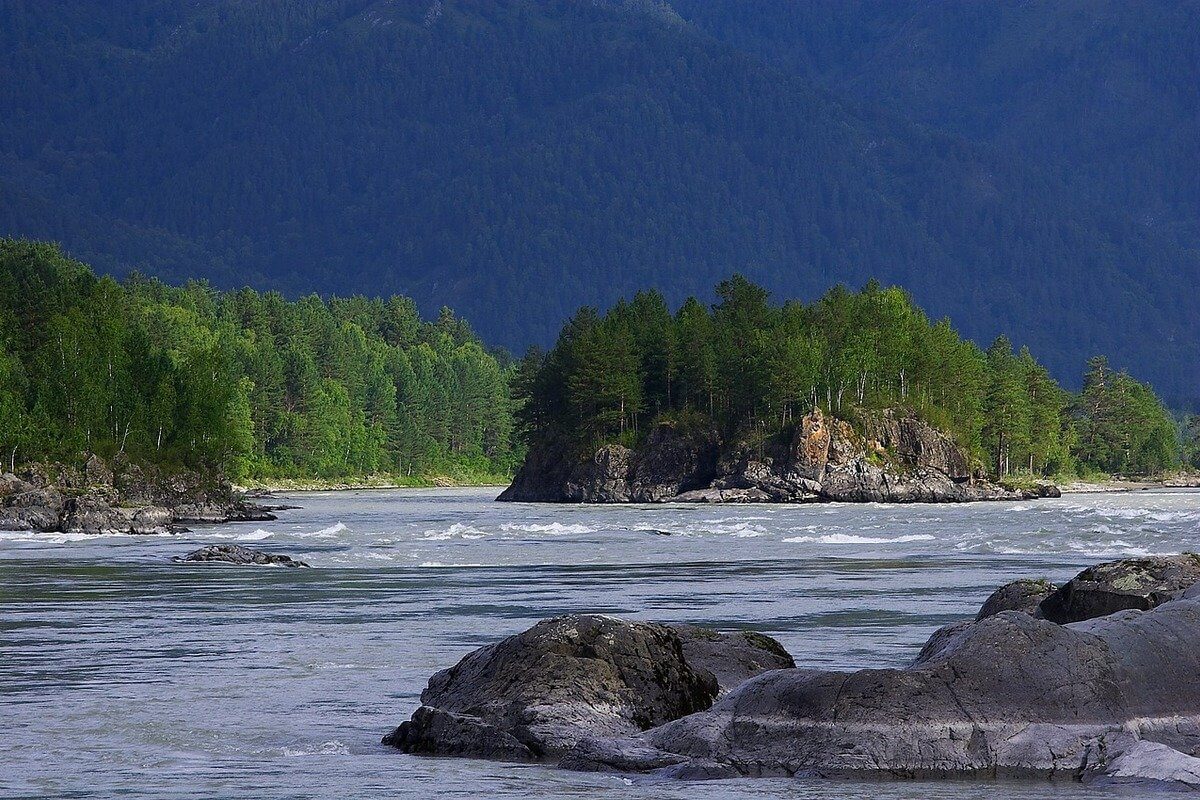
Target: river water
pixel 122 673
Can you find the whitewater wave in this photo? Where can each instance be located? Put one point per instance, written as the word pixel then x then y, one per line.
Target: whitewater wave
pixel 850 538
pixel 332 530
pixel 333 748
pixel 553 528
pixel 458 530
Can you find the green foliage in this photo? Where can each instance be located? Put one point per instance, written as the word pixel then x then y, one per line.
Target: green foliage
pixel 1123 427
pixel 248 382
pixel 750 367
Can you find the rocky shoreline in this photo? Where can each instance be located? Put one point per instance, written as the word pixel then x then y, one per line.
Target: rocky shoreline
pixel 95 497
pixel 1094 680
pixel 897 458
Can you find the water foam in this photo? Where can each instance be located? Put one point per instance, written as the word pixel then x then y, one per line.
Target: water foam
pixel 849 538
pixel 553 528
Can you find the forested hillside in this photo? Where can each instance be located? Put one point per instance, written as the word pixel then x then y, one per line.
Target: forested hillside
pixel 248 382
pixel 517 159
pixel 1100 94
pixel 752 368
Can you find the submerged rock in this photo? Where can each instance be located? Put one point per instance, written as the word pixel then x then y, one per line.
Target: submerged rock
pixel 1137 583
pixel 535 695
pixel 236 554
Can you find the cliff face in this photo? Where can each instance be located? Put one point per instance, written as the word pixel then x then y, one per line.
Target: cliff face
pixel 897 459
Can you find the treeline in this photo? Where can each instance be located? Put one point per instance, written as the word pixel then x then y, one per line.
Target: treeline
pixel 248 382
pixel 750 367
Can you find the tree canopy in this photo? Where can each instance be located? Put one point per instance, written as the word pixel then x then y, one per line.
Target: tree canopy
pixel 242 380
pixel 748 364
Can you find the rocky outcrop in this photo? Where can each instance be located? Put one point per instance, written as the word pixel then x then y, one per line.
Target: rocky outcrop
pixel 898 459
pixel 1137 583
pixel 1110 700
pixel 1010 695
pixel 236 554
pixel 535 695
pixel 914 444
pixel 98 498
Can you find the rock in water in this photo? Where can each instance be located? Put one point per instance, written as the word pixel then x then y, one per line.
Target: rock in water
pixel 1138 583
pixel 1025 595
pixel 535 695
pixel 1008 695
pixel 731 658
pixel 125 498
pixel 1125 761
pixel 236 554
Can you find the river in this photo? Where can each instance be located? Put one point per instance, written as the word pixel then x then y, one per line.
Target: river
pixel 122 673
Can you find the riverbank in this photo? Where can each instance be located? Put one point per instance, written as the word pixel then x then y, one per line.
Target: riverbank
pixel 1095 485
pixel 290 485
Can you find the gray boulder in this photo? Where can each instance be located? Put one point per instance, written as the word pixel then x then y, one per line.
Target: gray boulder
pixel 914 443
pixel 1025 595
pixel 731 658
pixel 534 696
pixel 32 508
pixel 94 514
pixel 1137 583
pixel 1122 760
pixel 1009 695
pixel 603 479
pixel 236 554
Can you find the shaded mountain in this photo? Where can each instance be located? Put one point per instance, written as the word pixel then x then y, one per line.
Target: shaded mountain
pixel 516 160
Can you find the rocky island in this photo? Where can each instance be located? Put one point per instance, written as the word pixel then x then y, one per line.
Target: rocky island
pixel 124 497
pixel 1094 680
pixel 896 458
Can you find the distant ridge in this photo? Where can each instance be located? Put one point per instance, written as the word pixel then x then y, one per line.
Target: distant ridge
pixel 516 160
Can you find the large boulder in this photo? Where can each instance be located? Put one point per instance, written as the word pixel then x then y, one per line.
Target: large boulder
pixel 36 508
pixel 1024 595
pixel 534 695
pixel 1137 583
pixel 731 658
pixel 96 472
pixel 237 554
pixel 1009 695
pixel 1122 760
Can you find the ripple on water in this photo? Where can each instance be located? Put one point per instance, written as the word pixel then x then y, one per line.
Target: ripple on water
pixel 189 682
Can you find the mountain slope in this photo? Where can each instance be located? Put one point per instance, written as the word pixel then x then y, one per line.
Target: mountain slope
pixel 515 160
